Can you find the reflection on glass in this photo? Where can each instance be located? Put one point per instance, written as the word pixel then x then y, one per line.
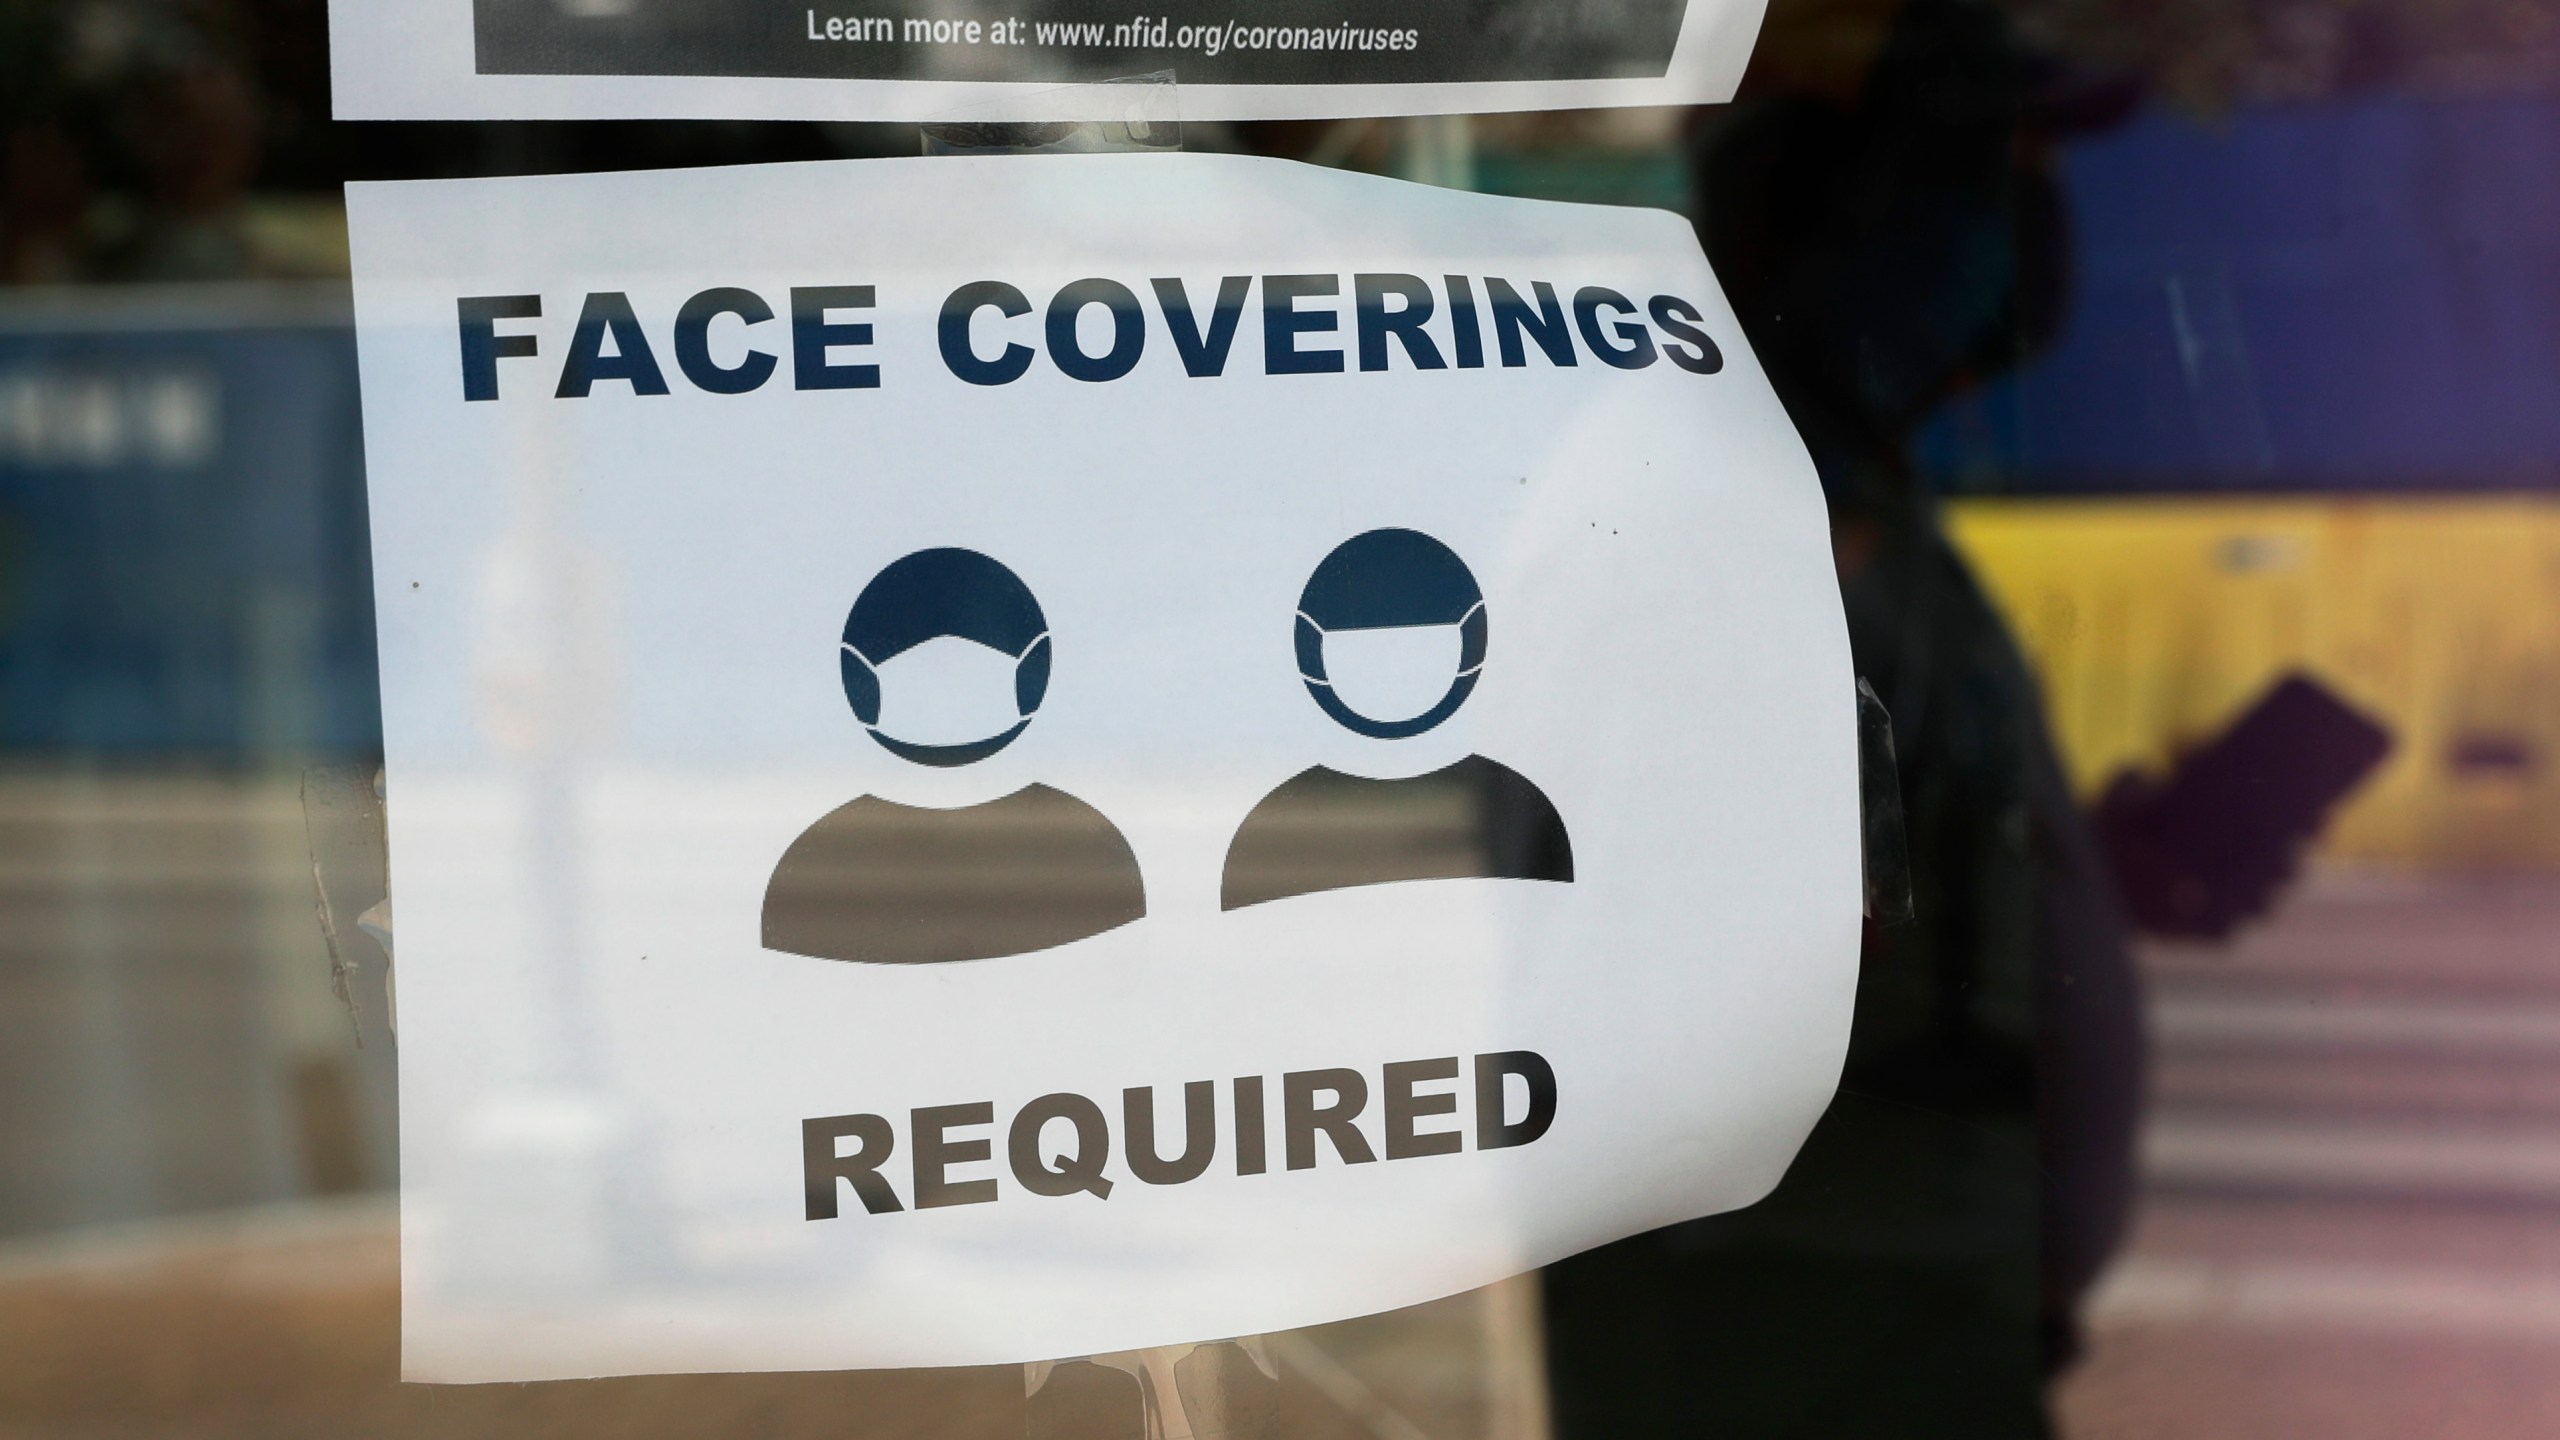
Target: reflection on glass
pixel 2232 330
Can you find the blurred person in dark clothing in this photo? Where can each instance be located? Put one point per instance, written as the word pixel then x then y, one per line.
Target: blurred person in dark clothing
pixel 1877 206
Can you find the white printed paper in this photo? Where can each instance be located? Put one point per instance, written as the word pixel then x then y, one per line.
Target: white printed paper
pixel 1026 60
pixel 997 759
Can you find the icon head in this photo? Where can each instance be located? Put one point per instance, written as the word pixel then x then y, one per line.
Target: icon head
pixel 1391 633
pixel 945 657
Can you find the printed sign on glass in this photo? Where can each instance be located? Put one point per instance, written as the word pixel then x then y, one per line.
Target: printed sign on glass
pixel 995 760
pixel 927 59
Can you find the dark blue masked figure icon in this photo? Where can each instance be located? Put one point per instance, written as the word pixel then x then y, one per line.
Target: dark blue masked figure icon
pixel 945 659
pixel 1391 634
pixel 973 643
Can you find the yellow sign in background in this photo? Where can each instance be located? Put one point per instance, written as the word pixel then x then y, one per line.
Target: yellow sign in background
pixel 2154 623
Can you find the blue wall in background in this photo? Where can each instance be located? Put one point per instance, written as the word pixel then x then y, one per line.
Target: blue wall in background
pixel 183 557
pixel 2352 294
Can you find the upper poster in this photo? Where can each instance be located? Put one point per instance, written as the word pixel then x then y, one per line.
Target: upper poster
pixel 1007 758
pixel 923 60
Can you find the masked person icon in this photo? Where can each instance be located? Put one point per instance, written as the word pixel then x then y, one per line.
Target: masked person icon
pixel 1391 636
pixel 945 660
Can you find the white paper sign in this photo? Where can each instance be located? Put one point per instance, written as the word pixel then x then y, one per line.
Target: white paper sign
pixel 1004 758
pixel 932 59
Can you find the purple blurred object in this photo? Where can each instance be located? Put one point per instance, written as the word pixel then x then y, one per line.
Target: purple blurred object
pixel 2206 849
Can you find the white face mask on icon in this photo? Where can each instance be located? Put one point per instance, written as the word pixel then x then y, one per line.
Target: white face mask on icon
pixel 946 691
pixel 1392 673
